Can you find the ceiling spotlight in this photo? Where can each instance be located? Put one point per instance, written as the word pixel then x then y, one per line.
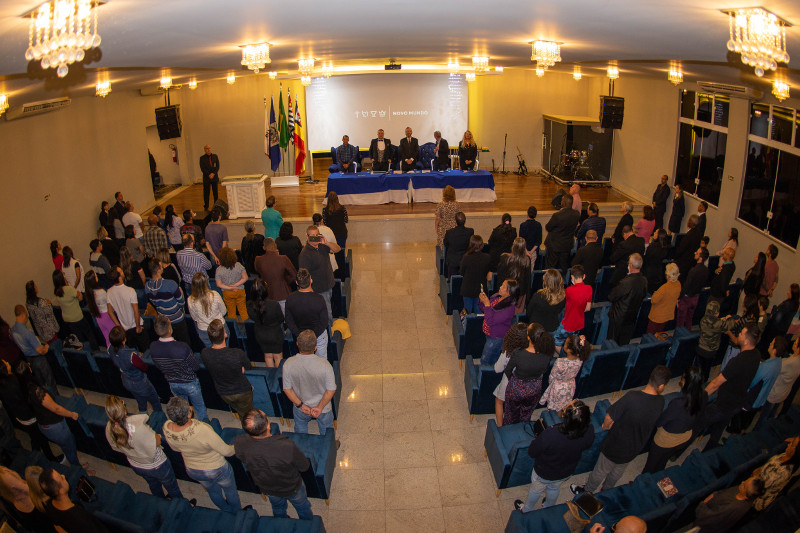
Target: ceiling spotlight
pixel 306 66
pixel 780 89
pixel 102 88
pixel 166 82
pixel 273 74
pixel 453 66
pixel 498 68
pixel 540 71
pixel 231 79
pixel 576 73
pixel 675 75
pixel 305 80
pixel 612 72
pixel 469 76
pixel 480 63
pixel 545 53
pixel 3 103
pixel 193 84
pixel 327 69
pixel 256 56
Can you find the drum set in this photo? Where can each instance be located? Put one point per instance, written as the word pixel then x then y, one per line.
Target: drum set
pixel 574 166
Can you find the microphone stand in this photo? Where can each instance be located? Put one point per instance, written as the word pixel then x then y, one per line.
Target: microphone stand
pixel 505 142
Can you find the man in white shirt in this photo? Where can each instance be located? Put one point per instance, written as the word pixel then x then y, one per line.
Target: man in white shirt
pixel 132 218
pixel 326 232
pixel 126 309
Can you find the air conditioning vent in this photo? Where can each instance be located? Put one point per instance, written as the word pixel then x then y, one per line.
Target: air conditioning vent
pixel 37 108
pixel 731 90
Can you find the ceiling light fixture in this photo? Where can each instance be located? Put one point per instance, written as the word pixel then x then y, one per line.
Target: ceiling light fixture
pixel 255 56
pixel 576 73
pixel 453 66
pixel 612 72
pixel 675 75
pixel 480 63
pixel 305 80
pixel 3 103
pixel 306 66
pixel 545 53
pixel 498 68
pixel 469 76
pixel 760 36
pixel 102 88
pixel 193 84
pixel 231 79
pixel 327 69
pixel 166 82
pixel 540 71
pixel 273 74
pixel 780 89
pixel 60 31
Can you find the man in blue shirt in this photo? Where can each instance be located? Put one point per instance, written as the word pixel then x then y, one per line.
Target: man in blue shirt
pixel 34 351
pixel 345 156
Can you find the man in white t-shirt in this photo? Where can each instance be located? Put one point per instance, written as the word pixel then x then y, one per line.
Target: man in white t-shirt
pixel 131 218
pixel 326 232
pixel 126 309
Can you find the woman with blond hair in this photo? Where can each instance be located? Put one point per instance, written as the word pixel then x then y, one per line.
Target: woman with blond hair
pixel 516 265
pixel 467 151
pixel 547 303
pixel 231 277
pixel 446 214
pixel 664 301
pixel 132 437
pixel 16 493
pixel 205 306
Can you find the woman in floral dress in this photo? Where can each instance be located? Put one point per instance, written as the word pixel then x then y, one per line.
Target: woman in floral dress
pixel 446 214
pixel 562 377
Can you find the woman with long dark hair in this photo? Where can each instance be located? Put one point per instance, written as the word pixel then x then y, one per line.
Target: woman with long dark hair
pixel 733 241
pixel 288 244
pixel 134 275
pixel 500 240
pixel 498 312
pixel 133 244
pixel 40 311
pixel 69 300
pixel 678 210
pixel 252 246
pixel 334 215
pixel 516 265
pixel 173 224
pixel 675 425
pixel 51 419
pixel 754 277
pixel 72 270
pixel 524 372
pixel 55 251
pixel 474 268
pixel 515 339
pixel 268 316
pixel 647 224
pixel 97 301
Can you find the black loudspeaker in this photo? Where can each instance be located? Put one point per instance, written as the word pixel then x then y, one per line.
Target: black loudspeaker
pixel 557 198
pixel 168 121
pixel 223 208
pixel 611 111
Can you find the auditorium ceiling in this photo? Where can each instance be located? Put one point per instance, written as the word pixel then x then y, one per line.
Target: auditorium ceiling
pixel 202 38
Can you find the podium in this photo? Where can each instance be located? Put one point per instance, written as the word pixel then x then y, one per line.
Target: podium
pixel 246 195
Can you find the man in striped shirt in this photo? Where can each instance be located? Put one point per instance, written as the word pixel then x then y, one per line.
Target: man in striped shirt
pixel 190 261
pixel 154 237
pixel 167 297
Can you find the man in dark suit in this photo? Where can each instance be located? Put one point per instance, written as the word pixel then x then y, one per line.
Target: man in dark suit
pixel 209 166
pixel 119 207
pixel 723 275
pixel 702 207
pixel 660 197
pixel 684 254
pixel 560 235
pixel 632 244
pixel 409 152
pixel 592 222
pixel 625 220
pixel 626 298
pixel 456 242
pixel 380 151
pixel 441 152
pixel 590 257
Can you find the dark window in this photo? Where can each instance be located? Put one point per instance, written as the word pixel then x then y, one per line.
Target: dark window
pixel 711 165
pixel 782 122
pixel 683 167
pixel 687 104
pixel 785 222
pixel 721 108
pixel 759 182
pixel 704 107
pixel 759 120
pixel 797 131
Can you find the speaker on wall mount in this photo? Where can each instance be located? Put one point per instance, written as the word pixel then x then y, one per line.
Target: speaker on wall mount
pixel 611 111
pixel 168 121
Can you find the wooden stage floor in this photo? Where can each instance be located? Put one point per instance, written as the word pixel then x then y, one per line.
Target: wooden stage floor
pixel 514 193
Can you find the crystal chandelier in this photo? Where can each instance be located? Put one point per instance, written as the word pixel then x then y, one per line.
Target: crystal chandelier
pixel 545 53
pixel 305 80
pixel 327 69
pixel 780 89
pixel 306 66
pixel 675 75
pixel 498 69
pixel 480 63
pixel 576 73
pixel 469 76
pixel 612 72
pixel 256 56
pixel 231 79
pixel 540 70
pixel 273 74
pixel 453 66
pixel 759 36
pixel 193 84
pixel 102 88
pixel 166 82
pixel 60 31
pixel 3 103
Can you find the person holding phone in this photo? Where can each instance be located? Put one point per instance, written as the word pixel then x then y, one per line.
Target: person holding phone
pixel 315 257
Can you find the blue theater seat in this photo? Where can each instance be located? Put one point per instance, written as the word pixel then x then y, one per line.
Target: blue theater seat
pixel 682 352
pixel 479 383
pixel 450 294
pixel 469 337
pixel 604 371
pixel 644 357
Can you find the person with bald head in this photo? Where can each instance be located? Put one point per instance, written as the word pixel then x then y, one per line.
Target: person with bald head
pixel 590 257
pixel 380 151
pixel 625 298
pixel 209 166
pixel 627 524
pixel 154 237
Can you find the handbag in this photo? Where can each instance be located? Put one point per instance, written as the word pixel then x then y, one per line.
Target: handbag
pixel 85 490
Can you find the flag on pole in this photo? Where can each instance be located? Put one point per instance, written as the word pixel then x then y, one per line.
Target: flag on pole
pixel 299 143
pixel 274 141
pixel 283 126
pixel 291 115
pixel 266 128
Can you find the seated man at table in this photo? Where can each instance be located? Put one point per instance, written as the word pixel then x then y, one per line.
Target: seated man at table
pixel 409 152
pixel 346 156
pixel 380 151
pixel 441 152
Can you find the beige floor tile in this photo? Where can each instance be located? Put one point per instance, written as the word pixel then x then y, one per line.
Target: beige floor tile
pixel 361 343
pixel 443 385
pixel 406 416
pixel 449 413
pixel 360 451
pixel 362 388
pixel 459 446
pixel 401 361
pixel 398 319
pixel 407 386
pixel 400 339
pixel 397 303
pixel 440 337
pixel 412 488
pixel 466 483
pixel 361 417
pixel 350 521
pixel 415 520
pixel 368 363
pixel 408 450
pixel 389 291
pixel 357 490
pixel 482 517
pixel 439 360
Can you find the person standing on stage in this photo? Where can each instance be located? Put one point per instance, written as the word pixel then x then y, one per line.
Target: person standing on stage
pixel 380 151
pixel 409 152
pixel 467 152
pixel 660 197
pixel 441 152
pixel 209 166
pixel 346 156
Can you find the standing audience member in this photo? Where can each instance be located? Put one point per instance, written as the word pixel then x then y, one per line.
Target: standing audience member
pixel 445 214
pixel 531 231
pixel 55 252
pixel 711 329
pixel 590 257
pixel 204 454
pixel 110 248
pixel 732 242
pixel 722 276
pixel 556 453
pixel 334 215
pixel 776 474
pixel 277 271
pixel 315 258
pixel 515 339
pixel 770 271
pixel 630 422
pixel 547 303
pixel 560 235
pixel 690 289
pixel 104 217
pixel 309 383
pixel 40 311
pixel 660 197
pixel 125 303
pixel 623 248
pixel 231 277
pixel 467 151
pixel 575 193
pixel 722 510
pixel 99 308
pixel 132 218
pixel 167 298
pixel 226 367
pixel 72 270
pixel 133 371
pixel 625 220
pixel 675 425
pixel 179 365
pixel 216 235
pixel 275 463
pixel 702 207
pixel 474 269
pixel 19 503
pixel 133 273
pixel 154 237
pixel 684 252
pixel 69 300
pixel 133 437
pixel 268 317
pixel 119 229
pixel 51 419
pixel 516 265
pixel 190 228
pixel 561 387
pixel 578 300
pixel 498 312
pixel 592 222
pixel 654 260
pixel 456 244
pixel 99 263
pixel 168 270
pixel 190 261
pixel 205 305
pixel 524 371
pixel 306 310
pixel 647 224
pixel 173 224
pixel 49 491
pixel 271 218
pixel 34 351
pixel 790 370
pixel 664 301
pixel 288 244
pixel 754 278
pixel 119 205
pixel 252 246
pixel 500 240
pixel 626 298
pixel 678 210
